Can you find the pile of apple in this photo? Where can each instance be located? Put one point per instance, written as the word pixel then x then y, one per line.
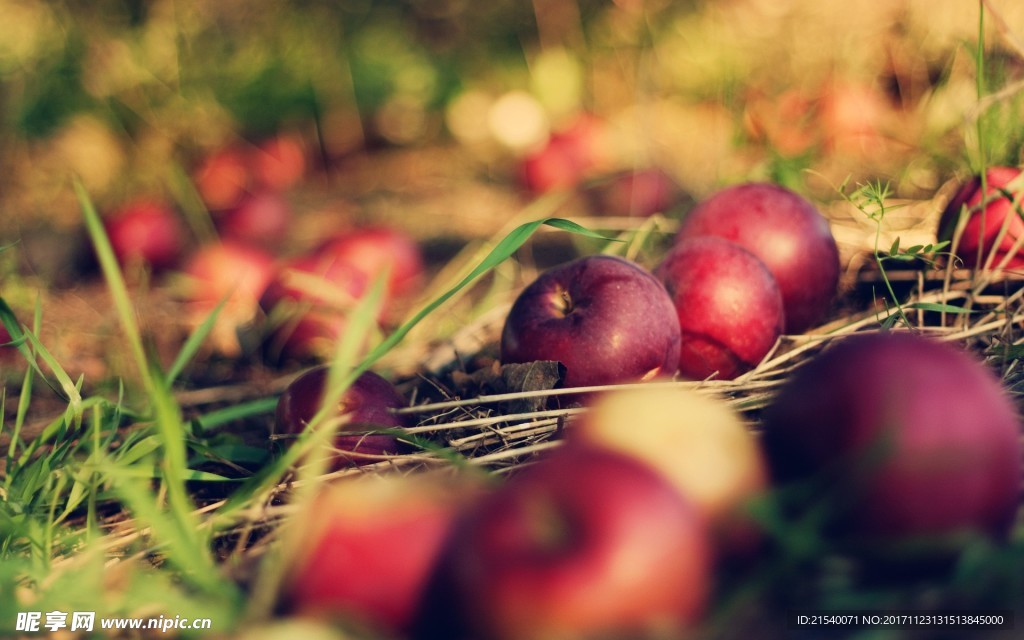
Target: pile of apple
pixel 300 302
pixel 621 531
pixel 749 263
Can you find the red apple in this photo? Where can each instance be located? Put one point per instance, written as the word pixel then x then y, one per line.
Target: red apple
pixel 789 236
pixel 639 193
pixel 985 221
pixel 365 547
pixel 919 437
pixel 261 219
pixel 308 302
pixel 148 232
pixel 729 307
pixel 587 543
pixel 366 405
pixel 279 163
pixel 223 178
pixel 697 442
pixel 228 271
pixel 570 155
pixel 372 250
pixel 605 318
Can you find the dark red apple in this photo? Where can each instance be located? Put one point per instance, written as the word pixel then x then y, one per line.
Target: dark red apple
pixel 230 271
pixel 308 302
pixel 372 250
pixel 586 543
pixel 278 163
pixel 919 437
pixel 729 307
pixel 789 236
pixel 607 319
pixel 147 232
pixel 367 405
pixel 261 219
pixel 223 178
pixel 638 193
pixel 364 548
pixel 985 221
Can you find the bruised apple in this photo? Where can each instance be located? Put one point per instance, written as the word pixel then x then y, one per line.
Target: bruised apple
pixel 918 436
pixel 789 236
pixel 697 442
pixel 368 404
pixel 607 319
pixel 586 543
pixel 363 548
pixel 986 217
pixel 729 306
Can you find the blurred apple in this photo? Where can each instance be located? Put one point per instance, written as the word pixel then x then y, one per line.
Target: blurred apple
pixel 363 548
pixel 367 405
pixel 308 302
pixel 695 441
pixel 229 271
pixel 729 306
pixel 223 178
pixel 569 155
pixel 372 250
pixel 637 192
pixel 986 218
pixel 789 236
pixel 917 437
pixel 261 219
pixel 146 232
pixel 606 319
pixel 586 543
pixel 279 163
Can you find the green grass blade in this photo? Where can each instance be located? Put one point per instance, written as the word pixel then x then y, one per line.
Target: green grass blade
pixel 192 344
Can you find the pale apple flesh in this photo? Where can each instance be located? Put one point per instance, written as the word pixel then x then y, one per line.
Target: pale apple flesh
pixel 699 443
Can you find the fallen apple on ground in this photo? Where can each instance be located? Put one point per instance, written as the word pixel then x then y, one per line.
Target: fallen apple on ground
pixel 570 154
pixel 586 543
pixel 787 233
pixel 364 548
pixel 729 306
pixel 260 219
pixel 146 232
pixel 223 177
pixel 637 193
pixel 986 218
pixel 606 319
pixel 376 250
pixel 918 437
pixel 307 302
pixel 697 442
pixel 367 405
pixel 234 273
pixel 278 163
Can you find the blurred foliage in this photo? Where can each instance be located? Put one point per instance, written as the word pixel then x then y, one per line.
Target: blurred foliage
pixel 118 90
